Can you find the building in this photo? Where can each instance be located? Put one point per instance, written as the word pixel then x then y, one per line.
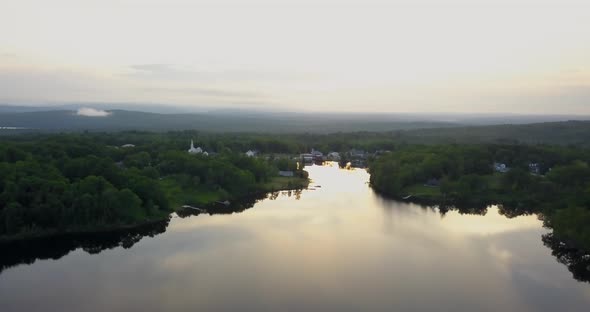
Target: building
pixel 500 167
pixel 127 145
pixel 354 153
pixel 316 153
pixel 535 168
pixel 334 156
pixel 251 153
pixel 317 156
pixel 193 150
pixel 286 173
pixel 306 158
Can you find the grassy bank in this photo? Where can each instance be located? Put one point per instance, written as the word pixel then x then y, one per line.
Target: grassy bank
pixel 202 195
pixel 285 183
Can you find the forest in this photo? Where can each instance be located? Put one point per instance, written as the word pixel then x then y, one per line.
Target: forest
pixel 89 182
pixel 549 180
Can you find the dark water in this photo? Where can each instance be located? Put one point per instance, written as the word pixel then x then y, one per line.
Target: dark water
pixel 339 247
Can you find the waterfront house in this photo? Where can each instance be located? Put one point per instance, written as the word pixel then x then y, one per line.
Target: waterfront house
pixel 334 156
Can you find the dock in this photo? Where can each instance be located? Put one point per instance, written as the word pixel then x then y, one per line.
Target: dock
pixel 193 208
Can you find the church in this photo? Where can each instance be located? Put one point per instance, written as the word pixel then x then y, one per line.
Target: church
pixel 198 150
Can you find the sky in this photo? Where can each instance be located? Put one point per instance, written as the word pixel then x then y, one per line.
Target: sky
pixel 475 56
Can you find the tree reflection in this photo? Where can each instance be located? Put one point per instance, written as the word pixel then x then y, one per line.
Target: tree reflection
pixel 510 211
pixel 576 260
pixel 31 250
pixel 56 247
pixel 273 195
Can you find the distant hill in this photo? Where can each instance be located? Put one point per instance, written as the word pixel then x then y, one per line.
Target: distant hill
pixel 471 119
pixel 413 131
pixel 148 108
pixel 560 133
pixel 69 120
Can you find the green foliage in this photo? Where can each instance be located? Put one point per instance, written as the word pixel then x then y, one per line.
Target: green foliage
pixel 572 223
pixel 55 183
pixel 467 179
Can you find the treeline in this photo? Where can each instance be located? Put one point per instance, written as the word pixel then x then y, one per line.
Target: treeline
pixel 78 182
pixel 574 133
pixel 236 142
pixel 564 133
pixel 464 175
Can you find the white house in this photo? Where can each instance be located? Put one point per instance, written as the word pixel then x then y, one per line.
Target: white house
pixel 127 145
pixel 250 153
pixel 500 167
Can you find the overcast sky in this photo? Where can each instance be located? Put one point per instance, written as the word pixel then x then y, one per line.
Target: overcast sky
pixel 397 56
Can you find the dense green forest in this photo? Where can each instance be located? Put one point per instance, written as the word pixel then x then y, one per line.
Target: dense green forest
pixel 553 181
pixel 83 182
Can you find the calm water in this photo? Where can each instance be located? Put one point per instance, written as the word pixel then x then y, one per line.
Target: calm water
pixel 339 247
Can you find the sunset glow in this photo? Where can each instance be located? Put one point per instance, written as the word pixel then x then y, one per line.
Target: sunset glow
pixel 395 56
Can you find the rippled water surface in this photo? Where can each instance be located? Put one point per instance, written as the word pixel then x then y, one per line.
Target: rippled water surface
pixel 338 247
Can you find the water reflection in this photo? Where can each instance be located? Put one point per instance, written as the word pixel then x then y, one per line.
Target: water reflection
pixel 339 247
pixel 577 261
pixel 29 251
pixel 56 247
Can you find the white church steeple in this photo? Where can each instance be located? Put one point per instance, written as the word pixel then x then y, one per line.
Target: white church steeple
pixel 194 150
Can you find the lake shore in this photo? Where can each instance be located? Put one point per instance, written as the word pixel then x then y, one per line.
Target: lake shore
pixel 274 185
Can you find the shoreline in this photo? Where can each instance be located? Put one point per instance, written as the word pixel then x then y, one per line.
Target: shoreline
pixel 47 234
pixel 442 202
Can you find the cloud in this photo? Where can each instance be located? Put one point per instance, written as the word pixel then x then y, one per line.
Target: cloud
pixel 189 73
pixel 91 112
pixel 208 92
pixel 8 55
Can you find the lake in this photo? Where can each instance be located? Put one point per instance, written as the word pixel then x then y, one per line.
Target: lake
pixel 336 247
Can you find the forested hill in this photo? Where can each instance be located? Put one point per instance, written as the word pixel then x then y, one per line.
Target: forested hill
pixel 381 127
pixel 560 133
pixel 68 120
